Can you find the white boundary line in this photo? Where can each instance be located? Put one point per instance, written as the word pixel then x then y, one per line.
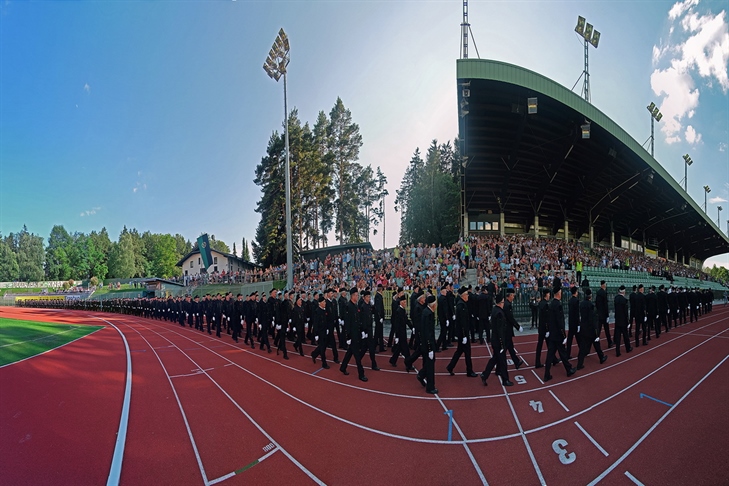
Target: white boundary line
pixel 255 424
pixel 559 401
pixel 465 446
pixel 634 479
pixel 648 432
pixel 121 436
pixel 535 374
pixel 594 442
pixel 231 474
pixel 526 442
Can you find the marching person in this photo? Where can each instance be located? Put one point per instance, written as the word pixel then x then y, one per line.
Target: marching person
pixel 511 324
pixel 543 326
pixel 462 334
pixel 601 306
pixel 587 331
pixel 556 339
pixel 320 329
pixel 368 341
pixel 621 321
pixel 379 310
pixel 498 342
pixel 426 376
pixel 354 334
pixel 443 320
pixel 641 319
pixel 400 325
pixel 573 318
pixel 297 324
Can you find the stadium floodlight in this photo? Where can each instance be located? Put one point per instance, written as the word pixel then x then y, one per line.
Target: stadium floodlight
pixel 687 161
pixel 276 65
pixel 656 115
pixel 591 37
pixel 707 190
pixel 532 106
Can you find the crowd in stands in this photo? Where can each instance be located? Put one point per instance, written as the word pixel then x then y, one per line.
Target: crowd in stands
pixel 516 262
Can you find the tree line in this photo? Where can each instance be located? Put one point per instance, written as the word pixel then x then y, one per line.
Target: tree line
pixel 25 257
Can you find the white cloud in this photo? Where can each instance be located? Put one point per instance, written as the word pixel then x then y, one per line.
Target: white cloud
pixel 699 47
pixel 691 136
pixel 90 212
pixel 87 88
pixel 717 200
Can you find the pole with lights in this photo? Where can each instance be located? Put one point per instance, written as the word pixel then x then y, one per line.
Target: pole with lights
pixel 687 161
pixel 718 216
pixel 275 66
pixel 707 190
pixel 591 36
pixel 655 116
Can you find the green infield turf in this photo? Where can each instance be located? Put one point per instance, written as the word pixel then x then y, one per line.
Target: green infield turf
pixel 23 339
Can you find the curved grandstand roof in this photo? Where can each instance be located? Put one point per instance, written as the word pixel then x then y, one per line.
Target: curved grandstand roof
pixel 522 165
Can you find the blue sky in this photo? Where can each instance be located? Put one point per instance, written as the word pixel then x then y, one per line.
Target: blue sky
pixel 154 114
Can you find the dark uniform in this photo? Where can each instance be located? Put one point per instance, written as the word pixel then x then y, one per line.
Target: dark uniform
pixel 556 337
pixel 543 326
pixel 498 343
pixel 399 326
pixel 426 375
pixel 601 306
pixel 379 309
pixel 354 335
pixel 587 331
pixel 320 329
pixel 462 333
pixel 621 322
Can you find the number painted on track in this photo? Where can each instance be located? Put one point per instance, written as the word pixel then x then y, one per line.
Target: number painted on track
pixel 520 380
pixel 564 456
pixel 537 406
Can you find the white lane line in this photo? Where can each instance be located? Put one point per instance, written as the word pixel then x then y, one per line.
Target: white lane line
pixel 465 445
pixel 121 436
pixel 535 374
pixel 634 479
pixel 255 424
pixel 559 401
pixel 648 432
pixel 594 442
pixel 577 414
pixel 182 409
pixel 235 473
pixel 524 438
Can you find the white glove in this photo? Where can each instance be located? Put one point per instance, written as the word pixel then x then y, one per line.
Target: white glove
pixel 502 350
pixel 273 322
pixel 645 319
pixel 382 320
pixel 289 321
pixel 213 317
pixel 327 332
pixel 341 322
pixel 628 326
pixel 465 340
pixel 397 340
pixel 256 320
pixel 656 316
pixel 564 342
pixel 521 329
pixel 430 354
pixel 668 311
pixel 186 314
pixel 597 339
pixel 260 327
pixel 364 335
pixel 294 329
pixel 547 335
pixel 316 338
pixel 307 319
pixel 228 319
pixel 478 318
pixel 349 341
pixel 697 307
pixel 448 323
pixel 454 317
pixel 578 328
pixel 278 328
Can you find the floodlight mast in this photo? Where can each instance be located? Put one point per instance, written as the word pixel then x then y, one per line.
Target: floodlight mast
pixel 276 66
pixel 687 161
pixel 590 36
pixel 707 190
pixel 655 116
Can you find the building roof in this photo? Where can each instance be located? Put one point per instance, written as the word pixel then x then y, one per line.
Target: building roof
pixel 165 281
pixel 333 250
pixel 525 165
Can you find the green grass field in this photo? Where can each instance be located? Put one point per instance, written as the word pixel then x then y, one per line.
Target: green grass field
pixel 23 339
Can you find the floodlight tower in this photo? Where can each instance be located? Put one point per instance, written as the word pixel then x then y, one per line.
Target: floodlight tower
pixel 707 190
pixel 591 36
pixel 687 161
pixel 655 116
pixel 275 66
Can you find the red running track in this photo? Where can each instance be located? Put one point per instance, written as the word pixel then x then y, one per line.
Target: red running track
pixel 206 411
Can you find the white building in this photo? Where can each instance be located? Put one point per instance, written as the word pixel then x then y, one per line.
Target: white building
pixel 222 262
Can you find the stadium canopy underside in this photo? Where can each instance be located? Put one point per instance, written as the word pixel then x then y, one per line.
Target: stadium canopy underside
pixel 519 165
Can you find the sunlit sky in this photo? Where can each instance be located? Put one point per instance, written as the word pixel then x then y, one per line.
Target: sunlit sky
pixel 154 115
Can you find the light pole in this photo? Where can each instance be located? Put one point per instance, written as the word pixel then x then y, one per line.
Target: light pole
pixel 687 161
pixel 275 66
pixel 655 115
pixel 707 190
pixel 591 36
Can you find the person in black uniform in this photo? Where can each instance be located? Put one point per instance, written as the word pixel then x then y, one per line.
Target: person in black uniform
pixel 651 310
pixel 264 322
pixel 621 321
pixel 426 376
pixel 587 331
pixel 395 305
pixel 298 321
pixel 573 320
pixel 682 305
pixel 379 311
pixel 462 333
pixel 511 325
pixel 417 324
pixel 250 317
pixel 498 343
pixel 354 335
pixel 543 326
pixel 641 319
pixel 341 303
pixel 332 322
pixel 196 310
pixel 485 303
pixel 282 322
pixel 414 308
pixel 601 306
pixel 556 339
pixel 662 302
pixel 321 331
pixel 631 315
pixel 673 304
pixel 451 298
pixel 400 324
pixel 443 320
pixel 238 317
pixel 368 341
